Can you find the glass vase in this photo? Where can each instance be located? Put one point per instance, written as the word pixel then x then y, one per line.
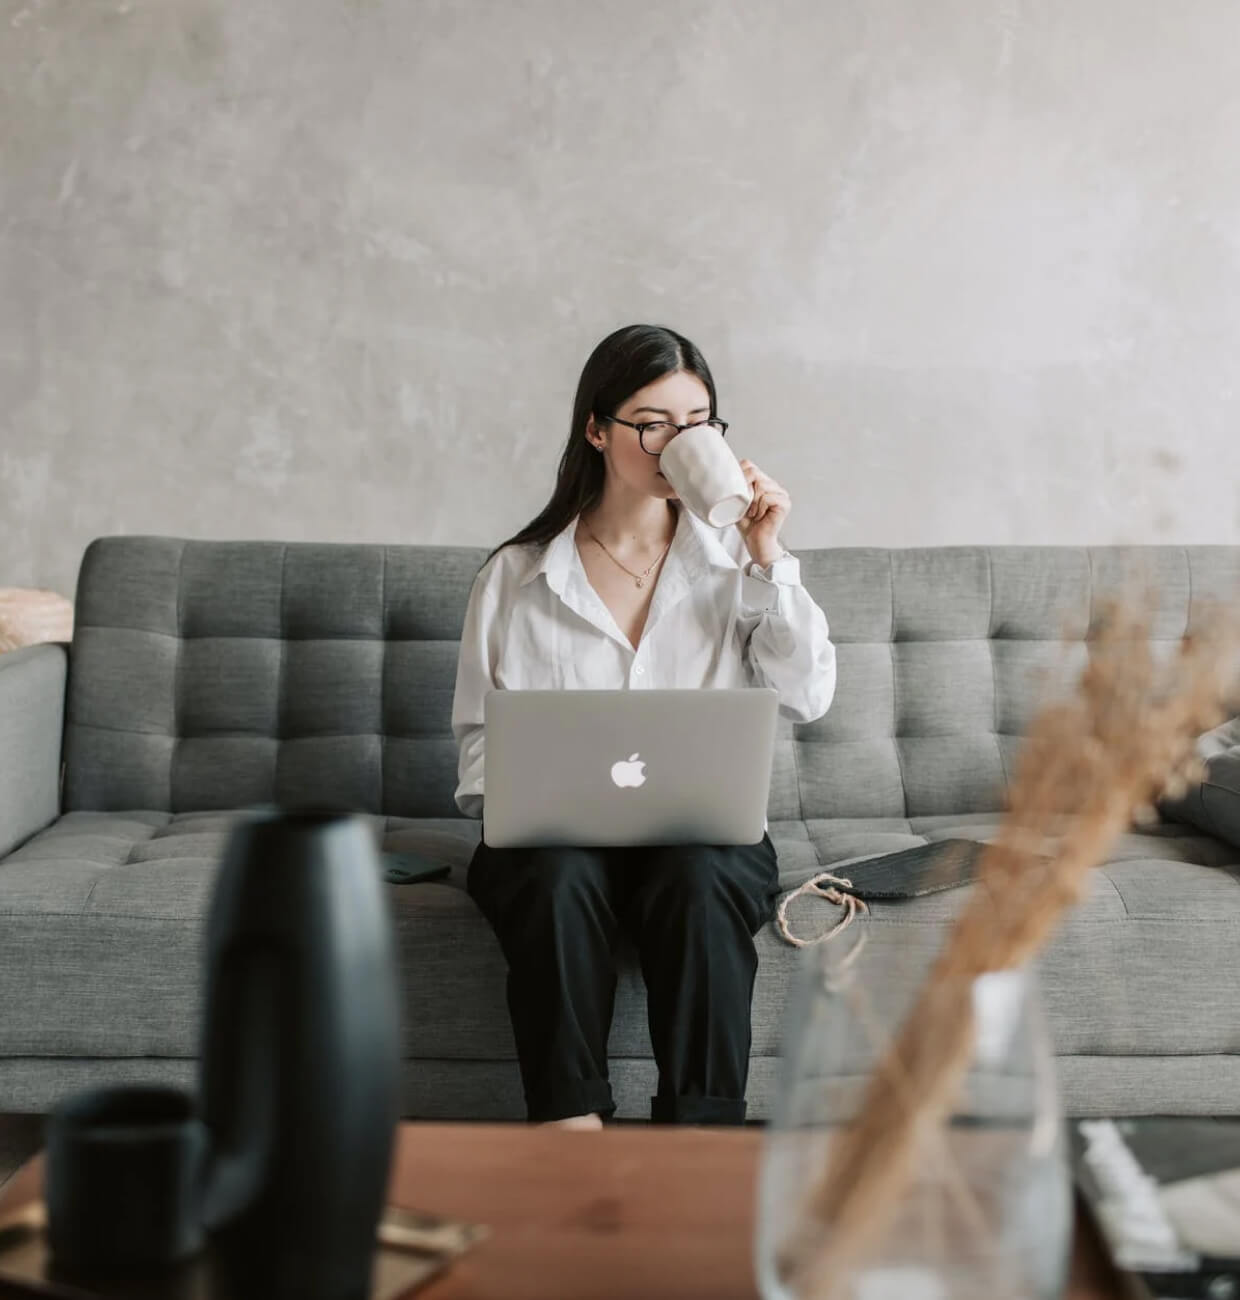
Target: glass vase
pixel 983 1208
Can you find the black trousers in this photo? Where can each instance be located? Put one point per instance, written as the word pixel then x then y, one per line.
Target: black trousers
pixel 691 912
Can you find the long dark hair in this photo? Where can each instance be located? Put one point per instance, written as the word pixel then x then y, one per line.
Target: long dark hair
pixel 622 363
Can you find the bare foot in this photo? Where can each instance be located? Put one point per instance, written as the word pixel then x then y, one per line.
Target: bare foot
pixel 590 1121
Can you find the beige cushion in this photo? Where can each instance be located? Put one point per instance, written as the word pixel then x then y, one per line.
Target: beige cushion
pixel 29 615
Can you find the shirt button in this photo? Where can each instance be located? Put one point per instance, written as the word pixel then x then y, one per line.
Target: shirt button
pixel 639 670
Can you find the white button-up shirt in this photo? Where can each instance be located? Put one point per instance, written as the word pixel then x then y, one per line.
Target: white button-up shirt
pixel 716 621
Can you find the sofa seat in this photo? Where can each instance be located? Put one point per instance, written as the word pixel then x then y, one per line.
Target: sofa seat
pixel 103 913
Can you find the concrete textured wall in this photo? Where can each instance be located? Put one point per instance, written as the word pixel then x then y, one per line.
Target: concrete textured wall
pixel 967 270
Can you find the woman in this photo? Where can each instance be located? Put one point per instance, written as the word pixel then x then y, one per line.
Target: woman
pixel 615 586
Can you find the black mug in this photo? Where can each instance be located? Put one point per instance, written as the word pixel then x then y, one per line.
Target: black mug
pixel 123 1181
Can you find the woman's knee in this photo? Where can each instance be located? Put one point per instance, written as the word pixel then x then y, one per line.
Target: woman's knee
pixel 565 875
pixel 538 879
pixel 690 874
pixel 711 878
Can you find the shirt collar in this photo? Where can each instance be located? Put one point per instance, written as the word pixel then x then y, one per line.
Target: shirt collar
pixel 554 560
pixel 709 543
pixel 695 545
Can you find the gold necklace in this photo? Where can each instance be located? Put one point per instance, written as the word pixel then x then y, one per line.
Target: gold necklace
pixel 640 578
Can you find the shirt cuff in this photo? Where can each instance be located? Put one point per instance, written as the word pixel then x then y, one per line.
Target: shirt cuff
pixel 760 584
pixel 785 569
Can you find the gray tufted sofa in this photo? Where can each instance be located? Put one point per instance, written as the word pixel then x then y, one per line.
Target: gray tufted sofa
pixel 205 677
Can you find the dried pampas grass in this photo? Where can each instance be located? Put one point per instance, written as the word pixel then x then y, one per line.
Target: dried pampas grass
pixel 1091 764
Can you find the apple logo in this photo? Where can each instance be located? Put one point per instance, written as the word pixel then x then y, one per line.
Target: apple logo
pixel 628 772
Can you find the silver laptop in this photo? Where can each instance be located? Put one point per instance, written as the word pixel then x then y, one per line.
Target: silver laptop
pixel 627 767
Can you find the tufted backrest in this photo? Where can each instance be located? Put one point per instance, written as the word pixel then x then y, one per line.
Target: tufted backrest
pixel 210 674
pixel 945 654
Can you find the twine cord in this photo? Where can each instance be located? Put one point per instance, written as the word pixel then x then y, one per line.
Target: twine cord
pixel 851 904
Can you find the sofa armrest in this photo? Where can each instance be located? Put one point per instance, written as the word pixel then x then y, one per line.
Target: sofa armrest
pixel 32 724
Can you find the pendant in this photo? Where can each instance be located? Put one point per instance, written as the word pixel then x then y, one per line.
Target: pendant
pixel 639 582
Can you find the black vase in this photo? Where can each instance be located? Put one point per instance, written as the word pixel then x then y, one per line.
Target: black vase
pixel 300 1057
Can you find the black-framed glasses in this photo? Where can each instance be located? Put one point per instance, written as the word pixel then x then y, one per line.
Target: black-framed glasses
pixel 654 436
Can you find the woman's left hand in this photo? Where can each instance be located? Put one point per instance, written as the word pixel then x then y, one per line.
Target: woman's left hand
pixel 760 525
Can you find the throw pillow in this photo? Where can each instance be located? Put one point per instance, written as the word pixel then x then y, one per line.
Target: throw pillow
pixel 1213 804
pixel 29 615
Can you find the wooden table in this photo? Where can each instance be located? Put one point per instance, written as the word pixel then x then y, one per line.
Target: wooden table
pixel 629 1212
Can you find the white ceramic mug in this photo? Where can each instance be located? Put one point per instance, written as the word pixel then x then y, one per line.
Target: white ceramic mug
pixel 699 465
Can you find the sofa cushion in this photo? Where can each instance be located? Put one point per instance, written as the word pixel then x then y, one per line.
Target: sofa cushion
pixel 101 921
